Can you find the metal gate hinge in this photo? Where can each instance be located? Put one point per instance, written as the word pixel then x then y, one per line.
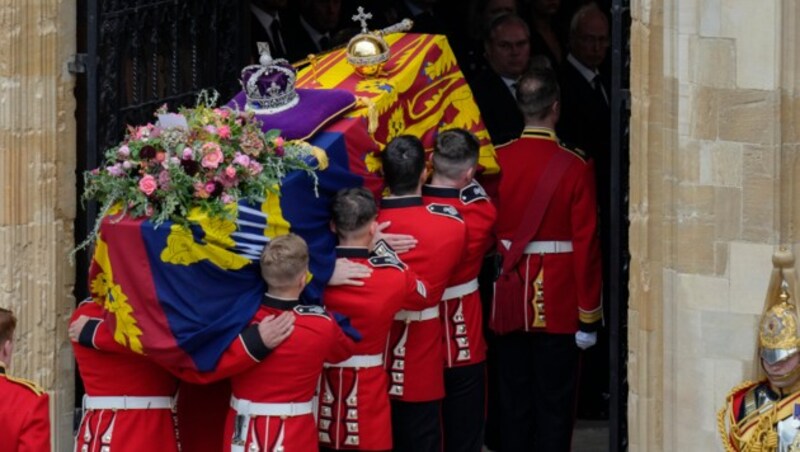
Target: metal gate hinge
pixel 77 63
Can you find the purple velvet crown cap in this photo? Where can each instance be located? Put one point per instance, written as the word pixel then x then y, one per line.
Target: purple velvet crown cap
pixel 265 81
pixel 269 85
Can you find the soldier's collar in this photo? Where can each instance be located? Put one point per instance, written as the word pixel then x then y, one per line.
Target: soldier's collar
pixel 352 251
pixel 440 191
pixel 404 201
pixel 539 132
pixel 284 304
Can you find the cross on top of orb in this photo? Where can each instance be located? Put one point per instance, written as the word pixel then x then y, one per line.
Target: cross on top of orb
pixel 362 17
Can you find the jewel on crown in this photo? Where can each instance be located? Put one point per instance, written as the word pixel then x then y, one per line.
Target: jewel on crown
pixel 269 85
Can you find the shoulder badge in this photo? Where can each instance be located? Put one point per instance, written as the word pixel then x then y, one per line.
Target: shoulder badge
pixel 386 261
pixel 383 249
pixel 38 390
pixel 445 211
pixel 580 153
pixel 472 193
pixel 311 309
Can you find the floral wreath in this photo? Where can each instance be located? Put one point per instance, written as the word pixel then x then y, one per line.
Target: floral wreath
pixel 202 157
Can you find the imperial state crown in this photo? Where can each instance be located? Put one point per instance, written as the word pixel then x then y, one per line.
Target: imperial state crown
pixel 269 85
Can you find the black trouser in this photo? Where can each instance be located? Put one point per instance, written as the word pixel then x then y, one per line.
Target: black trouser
pixel 416 426
pixel 537 376
pixel 486 287
pixel 464 408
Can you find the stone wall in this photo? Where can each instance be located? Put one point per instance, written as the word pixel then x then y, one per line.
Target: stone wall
pixel 37 189
pixel 714 164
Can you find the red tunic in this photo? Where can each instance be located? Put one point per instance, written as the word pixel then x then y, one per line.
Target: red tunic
pixel 414 354
pixel 462 317
pixel 288 375
pixel 115 374
pixel 198 432
pixel 24 415
pixel 371 309
pixel 571 281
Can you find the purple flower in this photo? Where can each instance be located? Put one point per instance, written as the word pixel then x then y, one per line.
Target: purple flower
pixel 188 154
pixel 163 180
pixel 241 159
pixel 124 151
pixel 115 170
pixel 127 164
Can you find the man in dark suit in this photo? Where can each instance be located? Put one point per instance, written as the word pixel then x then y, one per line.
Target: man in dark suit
pixel 586 123
pixel 266 26
pixel 507 47
pixel 585 114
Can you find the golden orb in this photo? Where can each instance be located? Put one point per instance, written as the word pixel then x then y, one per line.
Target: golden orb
pixel 367 53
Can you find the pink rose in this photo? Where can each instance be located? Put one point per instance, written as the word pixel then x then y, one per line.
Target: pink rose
pixel 188 154
pixel 210 187
pixel 212 160
pixel 222 112
pixel 127 165
pixel 279 141
pixel 161 156
pixel 224 132
pixel 148 184
pixel 210 129
pixel 212 155
pixel 241 159
pixel 124 151
pixel 230 172
pixel 226 198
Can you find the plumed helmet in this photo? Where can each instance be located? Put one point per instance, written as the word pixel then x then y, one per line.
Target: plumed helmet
pixel 778 338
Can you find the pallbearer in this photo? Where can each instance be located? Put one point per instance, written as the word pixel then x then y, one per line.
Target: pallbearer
pixel 414 357
pixel 463 411
pixel 271 406
pixel 354 401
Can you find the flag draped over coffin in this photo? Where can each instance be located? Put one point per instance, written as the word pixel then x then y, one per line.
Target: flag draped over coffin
pixel 182 295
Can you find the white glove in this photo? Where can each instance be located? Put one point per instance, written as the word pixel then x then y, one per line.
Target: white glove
pixel 585 340
pixel 787 431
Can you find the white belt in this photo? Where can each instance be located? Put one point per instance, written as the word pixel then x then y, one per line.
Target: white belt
pixel 247 408
pixel 460 290
pixel 544 246
pixel 417 316
pixel 128 403
pixel 360 361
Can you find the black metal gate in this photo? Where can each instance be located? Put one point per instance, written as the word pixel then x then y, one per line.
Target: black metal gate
pixel 139 54
pixel 620 256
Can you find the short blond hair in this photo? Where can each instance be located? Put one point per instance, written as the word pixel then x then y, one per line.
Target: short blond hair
pixel 8 323
pixel 283 260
